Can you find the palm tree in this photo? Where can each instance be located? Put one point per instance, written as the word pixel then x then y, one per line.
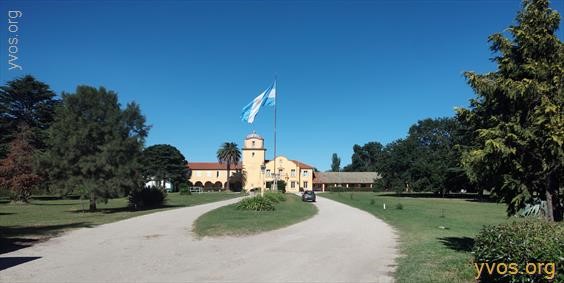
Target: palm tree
pixel 228 153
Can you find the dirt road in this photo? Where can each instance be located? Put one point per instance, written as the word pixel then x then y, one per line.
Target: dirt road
pixel 339 244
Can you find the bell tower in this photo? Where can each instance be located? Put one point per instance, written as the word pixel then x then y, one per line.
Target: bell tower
pixel 253 159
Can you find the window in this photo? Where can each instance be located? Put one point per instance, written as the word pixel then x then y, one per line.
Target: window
pixel 217 173
pixel 253 154
pixel 293 173
pixel 293 184
pixel 253 143
pixel 305 185
pixel 305 172
pixel 267 172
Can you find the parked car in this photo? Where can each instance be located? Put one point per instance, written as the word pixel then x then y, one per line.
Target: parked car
pixel 308 196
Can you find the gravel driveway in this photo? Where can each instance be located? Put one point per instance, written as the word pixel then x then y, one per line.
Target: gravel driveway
pixel 339 244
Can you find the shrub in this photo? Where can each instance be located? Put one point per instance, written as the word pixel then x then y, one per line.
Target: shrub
pixel 146 197
pixel 254 190
pixel 281 186
pixel 256 203
pixel 399 206
pixel 275 197
pixel 184 189
pixel 337 189
pixel 531 241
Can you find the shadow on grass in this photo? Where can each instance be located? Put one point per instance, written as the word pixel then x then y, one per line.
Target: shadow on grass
pixel 6 213
pixel 7 262
pixel 472 197
pixel 123 209
pixel 53 204
pixel 459 244
pixel 13 238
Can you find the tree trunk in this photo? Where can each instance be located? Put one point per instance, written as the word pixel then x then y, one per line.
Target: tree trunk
pixel 554 211
pixel 228 177
pixel 92 201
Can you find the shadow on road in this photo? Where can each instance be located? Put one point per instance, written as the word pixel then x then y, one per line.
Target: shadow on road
pixel 13 238
pixel 7 262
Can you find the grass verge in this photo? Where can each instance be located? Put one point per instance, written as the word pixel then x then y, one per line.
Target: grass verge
pixel 230 221
pixel 21 225
pixel 436 235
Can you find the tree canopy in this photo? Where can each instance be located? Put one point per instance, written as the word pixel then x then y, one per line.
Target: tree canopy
pixel 25 102
pixel 517 118
pixel 163 162
pixel 229 154
pixel 16 170
pixel 365 158
pixel 94 146
pixel 426 160
pixel 335 163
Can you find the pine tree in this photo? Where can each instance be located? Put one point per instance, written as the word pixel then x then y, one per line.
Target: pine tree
pixel 517 119
pixel 94 146
pixel 29 103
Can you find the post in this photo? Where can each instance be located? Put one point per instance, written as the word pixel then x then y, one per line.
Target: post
pixel 262 173
pixel 275 106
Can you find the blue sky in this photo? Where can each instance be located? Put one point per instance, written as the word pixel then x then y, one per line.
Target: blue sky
pixel 349 72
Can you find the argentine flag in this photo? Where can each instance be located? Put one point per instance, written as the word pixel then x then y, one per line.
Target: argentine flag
pixel 267 97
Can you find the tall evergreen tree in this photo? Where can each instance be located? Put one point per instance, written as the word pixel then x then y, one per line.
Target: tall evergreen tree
pixel 162 163
pixel 25 102
pixel 335 163
pixel 229 154
pixel 517 119
pixel 94 145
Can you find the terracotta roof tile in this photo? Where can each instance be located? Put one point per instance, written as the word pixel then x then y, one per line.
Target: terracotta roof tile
pixel 345 177
pixel 303 165
pixel 212 166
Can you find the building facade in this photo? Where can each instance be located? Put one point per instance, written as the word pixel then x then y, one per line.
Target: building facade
pixel 255 172
pixel 255 169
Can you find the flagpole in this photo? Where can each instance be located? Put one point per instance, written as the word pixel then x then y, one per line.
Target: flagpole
pixel 275 106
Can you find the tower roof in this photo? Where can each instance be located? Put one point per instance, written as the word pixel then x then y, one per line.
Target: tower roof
pixel 254 135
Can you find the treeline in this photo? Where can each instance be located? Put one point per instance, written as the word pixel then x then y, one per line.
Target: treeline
pixel 510 140
pixel 84 144
pixel 427 160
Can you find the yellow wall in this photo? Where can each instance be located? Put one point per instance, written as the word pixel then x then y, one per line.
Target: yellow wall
pixel 210 176
pixel 253 158
pixel 289 172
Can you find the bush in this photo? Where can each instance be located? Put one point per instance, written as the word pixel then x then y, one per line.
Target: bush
pixel 281 186
pixel 146 197
pixel 337 189
pixel 531 241
pixel 184 189
pixel 256 203
pixel 399 206
pixel 275 197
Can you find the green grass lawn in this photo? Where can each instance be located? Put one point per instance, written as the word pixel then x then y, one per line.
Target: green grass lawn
pixel 228 220
pixel 23 224
pixel 429 253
